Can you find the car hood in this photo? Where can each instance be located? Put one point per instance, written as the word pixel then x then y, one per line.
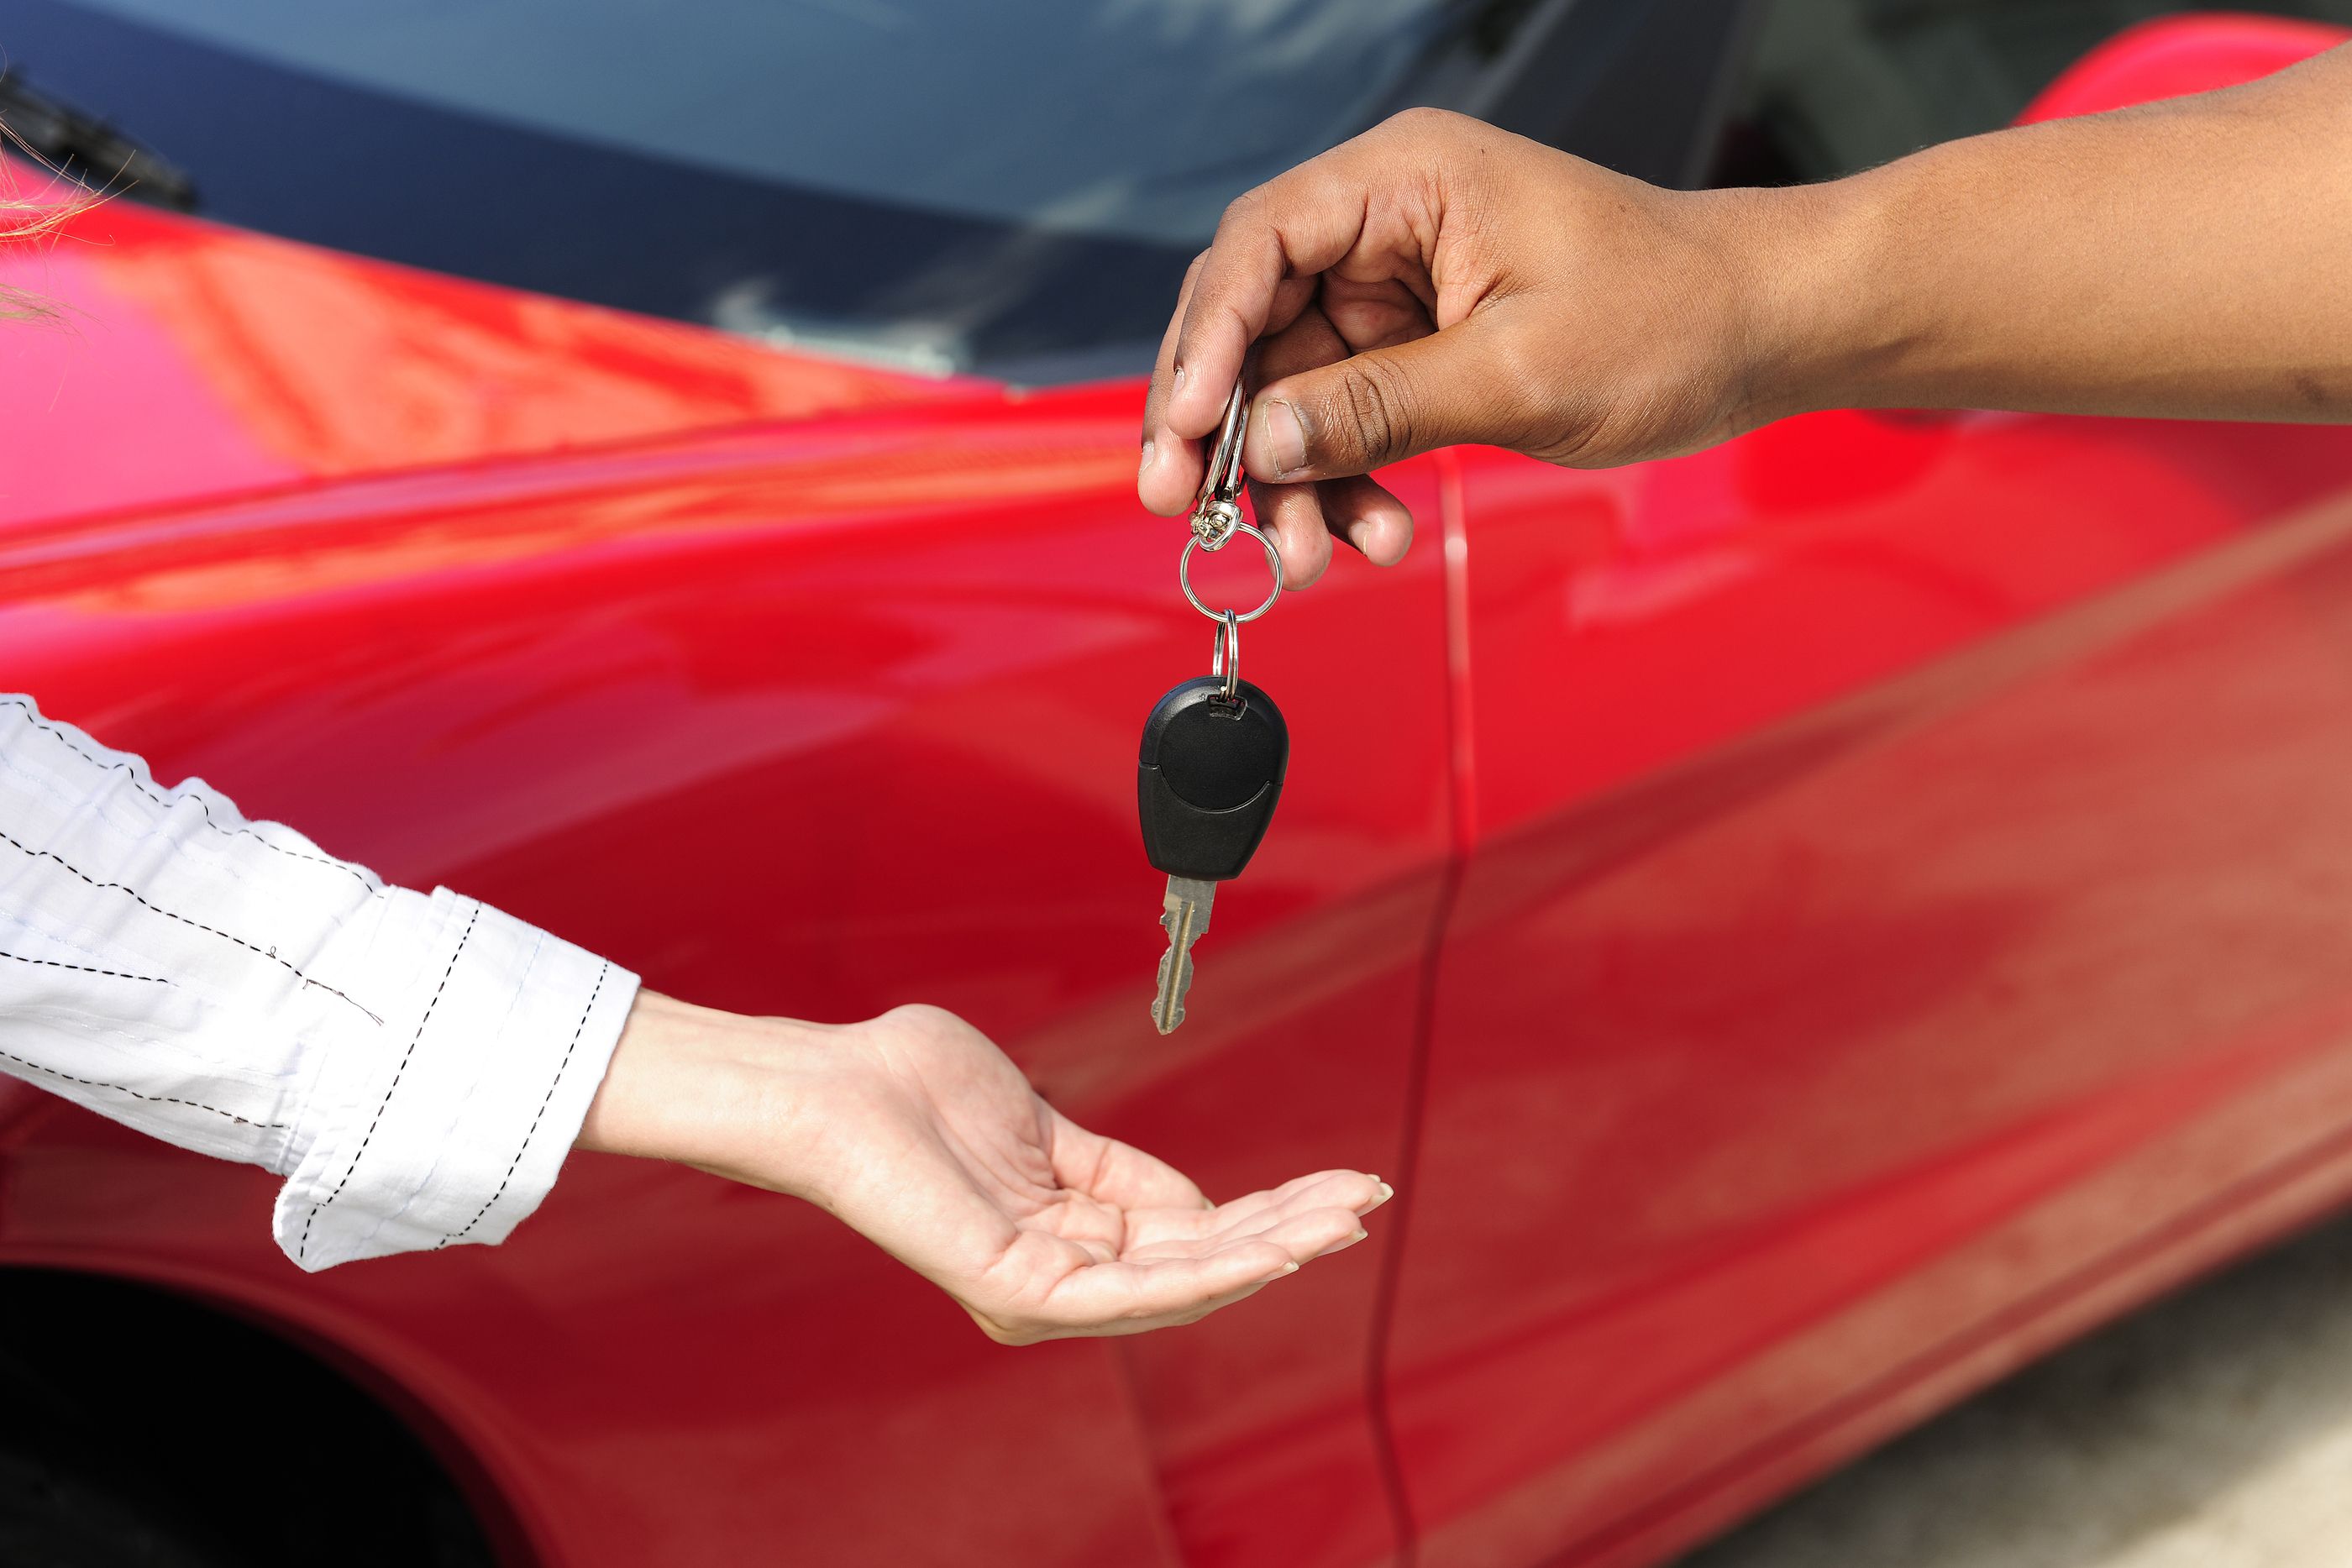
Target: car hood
pixel 182 361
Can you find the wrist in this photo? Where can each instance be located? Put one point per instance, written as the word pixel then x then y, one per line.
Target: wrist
pixel 710 1089
pixel 1819 303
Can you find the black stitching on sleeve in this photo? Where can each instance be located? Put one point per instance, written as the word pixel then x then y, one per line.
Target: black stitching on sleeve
pixel 39 722
pixel 151 1098
pixel 302 1248
pixel 546 1100
pixel 198 924
pixel 85 968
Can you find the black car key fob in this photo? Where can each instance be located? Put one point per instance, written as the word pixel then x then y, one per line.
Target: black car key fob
pixel 1209 776
pixel 1205 786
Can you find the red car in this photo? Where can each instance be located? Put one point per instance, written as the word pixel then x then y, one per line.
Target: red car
pixel 1805 927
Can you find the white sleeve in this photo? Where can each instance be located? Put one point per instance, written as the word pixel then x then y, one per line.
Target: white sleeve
pixel 416 1067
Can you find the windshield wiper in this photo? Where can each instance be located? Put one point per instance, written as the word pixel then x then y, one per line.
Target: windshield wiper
pixel 84 147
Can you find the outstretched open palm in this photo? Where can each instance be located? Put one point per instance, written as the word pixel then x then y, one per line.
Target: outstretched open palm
pixel 933 1144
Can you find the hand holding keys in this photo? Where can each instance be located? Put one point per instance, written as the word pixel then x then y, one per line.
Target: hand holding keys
pixel 1214 748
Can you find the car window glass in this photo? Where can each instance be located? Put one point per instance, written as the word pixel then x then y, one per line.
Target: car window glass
pixel 1126 117
pixel 1013 186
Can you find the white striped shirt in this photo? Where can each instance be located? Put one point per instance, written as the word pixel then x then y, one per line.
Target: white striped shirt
pixel 416 1066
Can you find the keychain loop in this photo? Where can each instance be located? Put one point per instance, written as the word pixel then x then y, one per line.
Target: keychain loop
pixel 1225 657
pixel 1272 562
pixel 1216 511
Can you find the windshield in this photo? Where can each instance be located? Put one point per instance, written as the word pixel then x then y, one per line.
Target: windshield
pixel 1011 186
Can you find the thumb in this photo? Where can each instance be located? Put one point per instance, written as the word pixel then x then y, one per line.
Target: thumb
pixel 1378 407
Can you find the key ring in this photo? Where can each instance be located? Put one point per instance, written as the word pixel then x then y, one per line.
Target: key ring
pixel 1225 658
pixel 1216 511
pixel 1272 562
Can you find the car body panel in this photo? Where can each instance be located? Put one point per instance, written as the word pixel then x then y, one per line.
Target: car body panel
pixel 188 359
pixel 1908 876
pixel 1979 866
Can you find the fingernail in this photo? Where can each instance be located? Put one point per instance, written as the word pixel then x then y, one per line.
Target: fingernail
pixel 1176 385
pixel 1144 467
pixel 1286 438
pixel 1359 534
pixel 1342 1244
pixel 1290 1268
pixel 1387 1191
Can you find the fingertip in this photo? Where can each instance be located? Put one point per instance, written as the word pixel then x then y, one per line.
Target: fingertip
pixel 1195 405
pixel 1273 443
pixel 1292 516
pixel 1317 1233
pixel 1304 568
pixel 1284 431
pixel 1363 1192
pixel 1271 1260
pixel 1151 488
pixel 1162 482
pixel 1344 1232
pixel 1372 521
pixel 1381 538
pixel 1304 543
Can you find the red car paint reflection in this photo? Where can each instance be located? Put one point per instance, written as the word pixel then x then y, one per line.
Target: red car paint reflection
pixel 1806 925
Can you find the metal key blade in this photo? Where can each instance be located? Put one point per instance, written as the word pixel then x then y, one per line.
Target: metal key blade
pixel 1185 916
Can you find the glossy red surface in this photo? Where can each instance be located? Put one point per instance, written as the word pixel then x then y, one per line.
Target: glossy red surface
pixel 752 711
pixel 2173 57
pixel 1816 920
pixel 188 359
pixel 1907 888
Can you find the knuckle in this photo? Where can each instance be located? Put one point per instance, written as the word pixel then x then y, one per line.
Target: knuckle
pixel 1378 409
pixel 1522 402
pixel 1422 123
pixel 1243 212
pixel 920 1018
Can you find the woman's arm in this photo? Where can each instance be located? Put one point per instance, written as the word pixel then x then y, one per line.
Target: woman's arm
pixel 418 1067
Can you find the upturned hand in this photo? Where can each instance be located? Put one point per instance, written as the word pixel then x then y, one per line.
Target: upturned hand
pixel 919 1133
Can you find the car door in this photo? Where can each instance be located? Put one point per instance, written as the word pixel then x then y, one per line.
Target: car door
pixel 1908 893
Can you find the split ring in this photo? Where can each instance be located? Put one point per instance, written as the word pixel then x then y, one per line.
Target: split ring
pixel 1272 562
pixel 1225 658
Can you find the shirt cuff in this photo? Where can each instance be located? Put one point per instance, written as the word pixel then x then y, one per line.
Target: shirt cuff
pixel 447 1121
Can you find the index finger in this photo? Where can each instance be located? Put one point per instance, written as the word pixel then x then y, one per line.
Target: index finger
pixel 1169 472
pixel 1256 277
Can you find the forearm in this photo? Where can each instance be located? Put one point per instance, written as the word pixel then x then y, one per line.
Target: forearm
pixel 414 1065
pixel 2181 260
